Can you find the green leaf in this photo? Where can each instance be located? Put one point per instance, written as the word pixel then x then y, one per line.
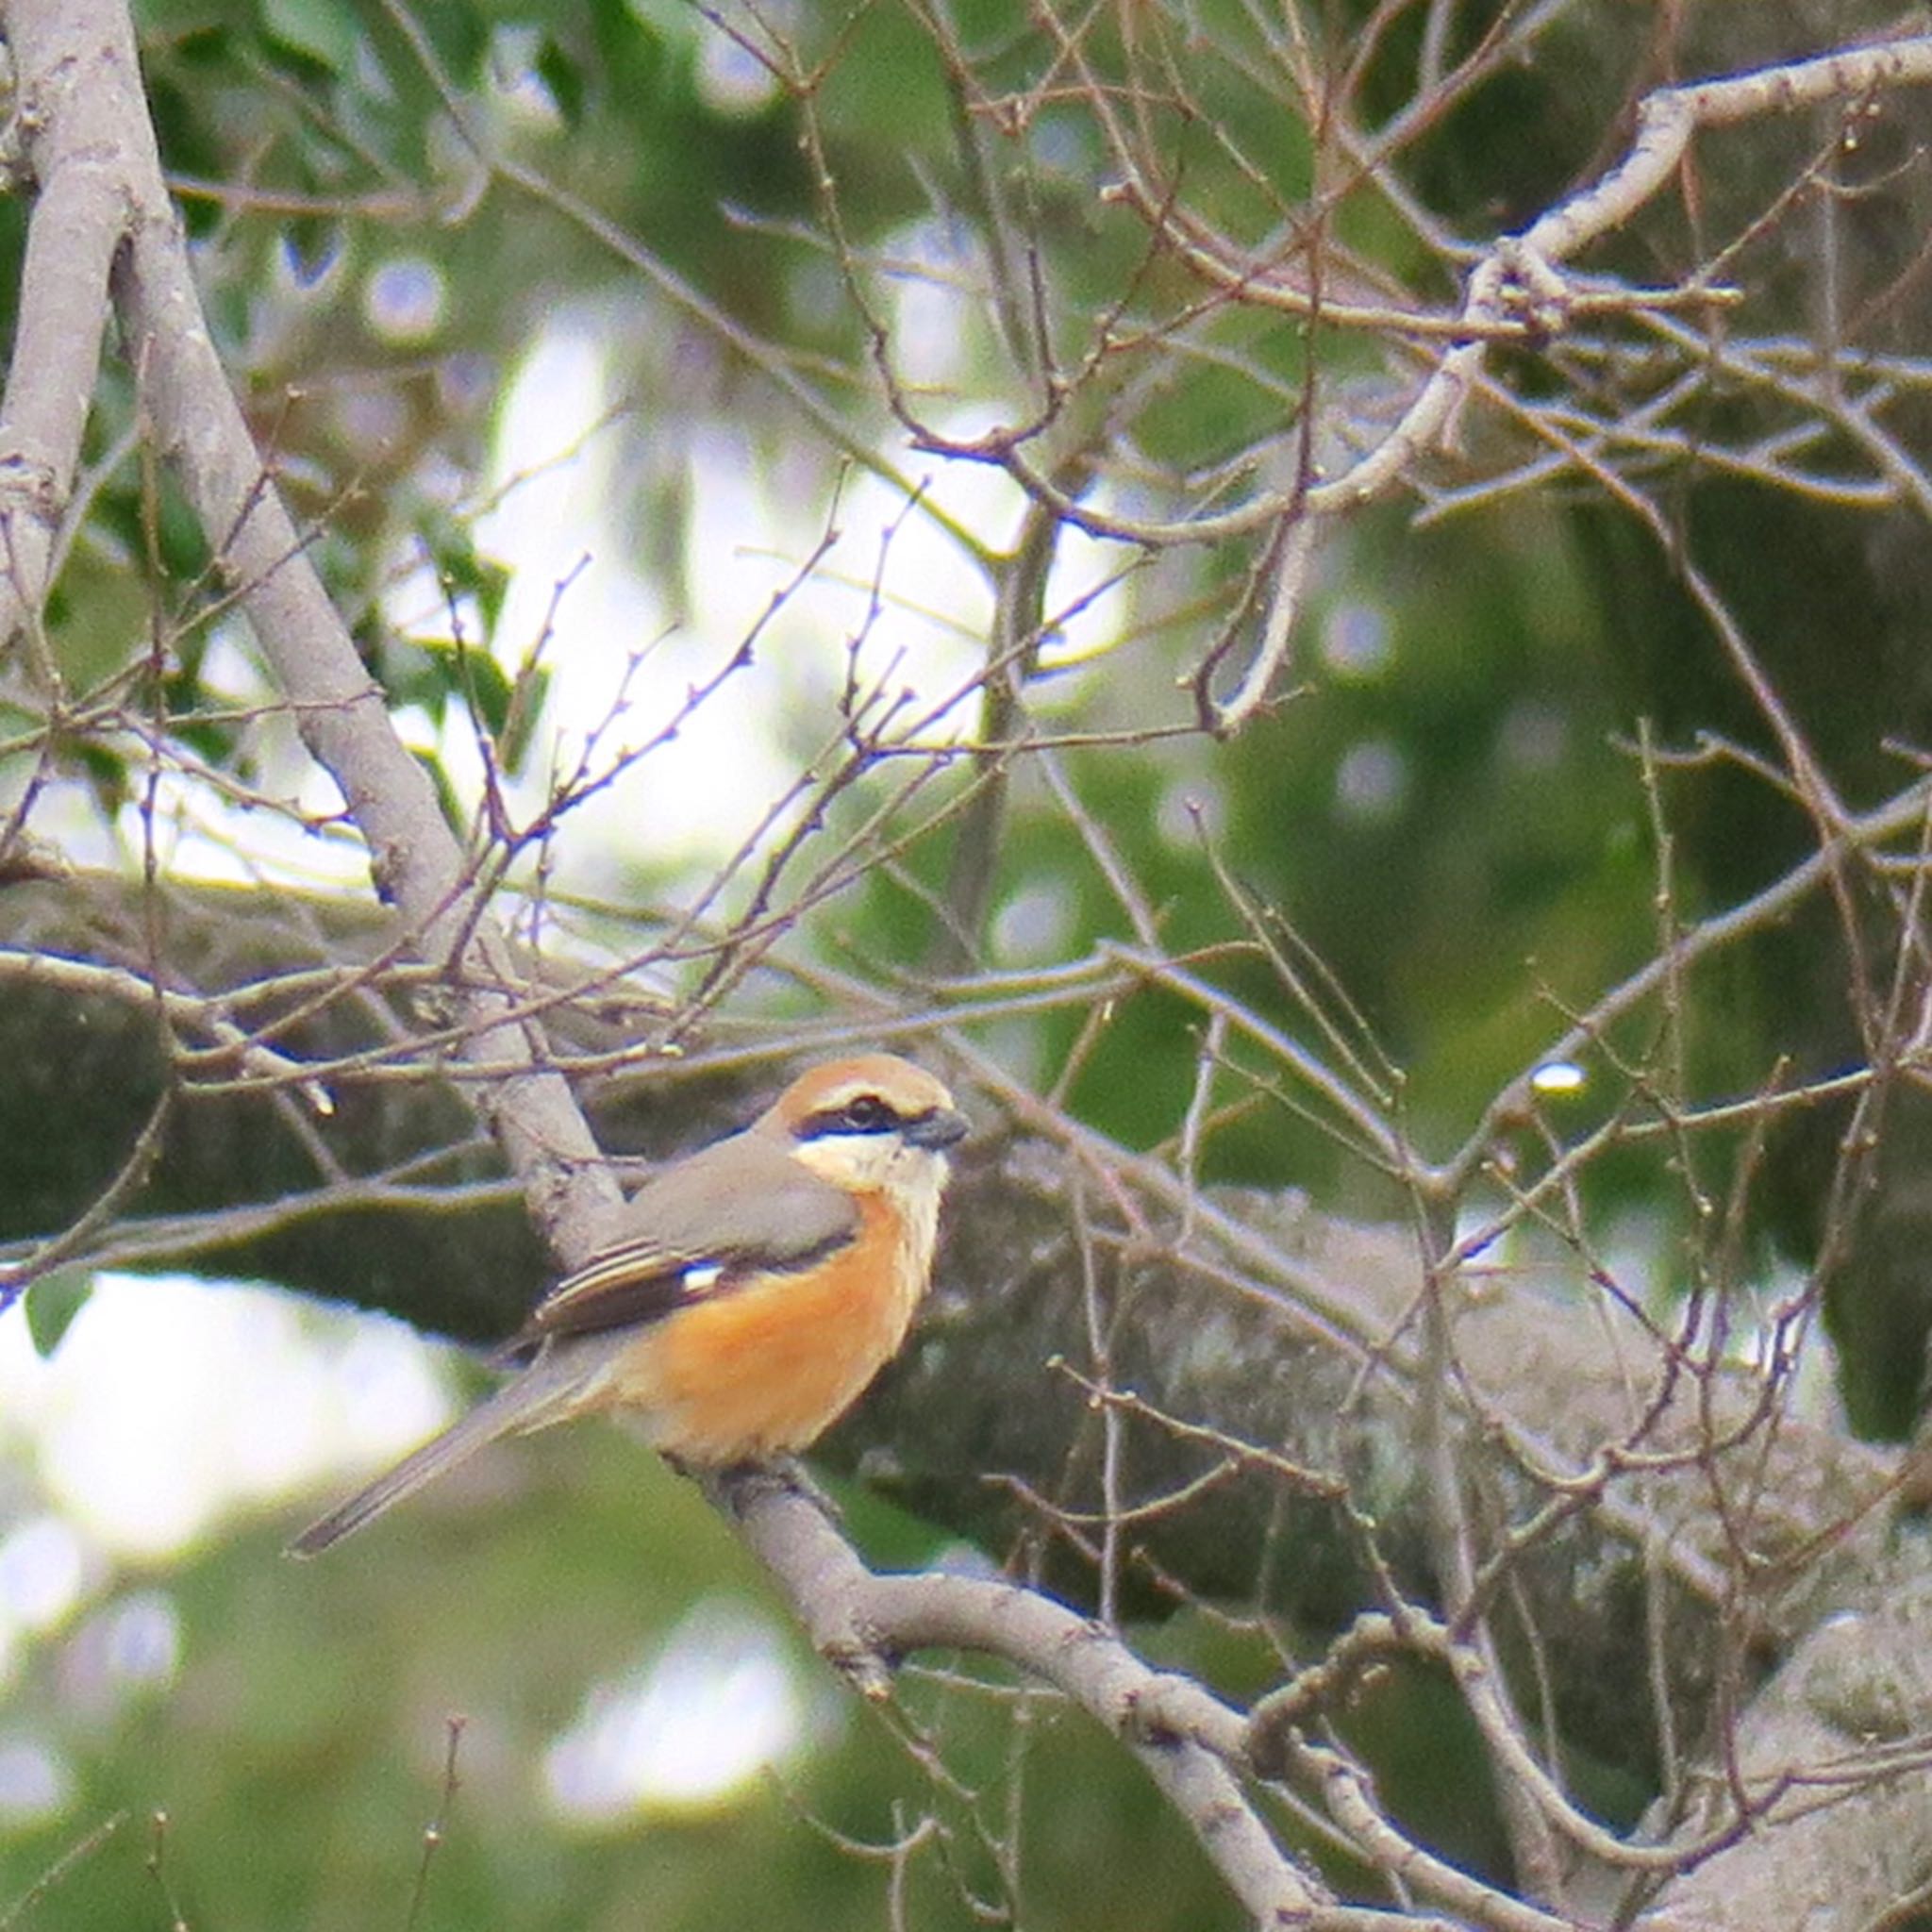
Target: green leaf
pixel 106 772
pixel 314 245
pixel 52 1303
pixel 325 30
pixel 519 731
pixel 463 569
pixel 418 671
pixel 563 78
pixel 490 692
pixel 453 812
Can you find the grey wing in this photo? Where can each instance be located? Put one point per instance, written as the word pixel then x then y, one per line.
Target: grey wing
pixel 740 1207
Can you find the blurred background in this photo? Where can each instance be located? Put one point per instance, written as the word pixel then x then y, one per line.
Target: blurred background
pixel 661 386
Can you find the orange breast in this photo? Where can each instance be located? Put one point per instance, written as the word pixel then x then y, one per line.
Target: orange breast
pixel 767 1366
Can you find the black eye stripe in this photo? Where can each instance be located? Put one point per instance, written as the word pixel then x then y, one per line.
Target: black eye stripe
pixel 866 1113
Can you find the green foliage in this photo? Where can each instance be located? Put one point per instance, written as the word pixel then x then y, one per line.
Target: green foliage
pixel 52 1303
pixel 323 30
pixel 298 1749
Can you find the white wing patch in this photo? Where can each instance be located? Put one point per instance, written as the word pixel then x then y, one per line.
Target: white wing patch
pixel 701 1278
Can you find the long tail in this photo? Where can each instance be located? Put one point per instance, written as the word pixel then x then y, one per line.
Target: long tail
pixel 541 1393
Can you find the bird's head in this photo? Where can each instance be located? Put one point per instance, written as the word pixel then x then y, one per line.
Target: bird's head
pixel 868 1123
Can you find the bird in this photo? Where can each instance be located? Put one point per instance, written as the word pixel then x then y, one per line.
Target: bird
pixel 751 1292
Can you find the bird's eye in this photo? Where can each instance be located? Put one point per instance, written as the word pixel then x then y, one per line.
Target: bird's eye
pixel 864 1114
pixel 868 1115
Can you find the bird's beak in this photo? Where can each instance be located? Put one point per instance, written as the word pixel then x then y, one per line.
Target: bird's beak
pixel 939 1129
